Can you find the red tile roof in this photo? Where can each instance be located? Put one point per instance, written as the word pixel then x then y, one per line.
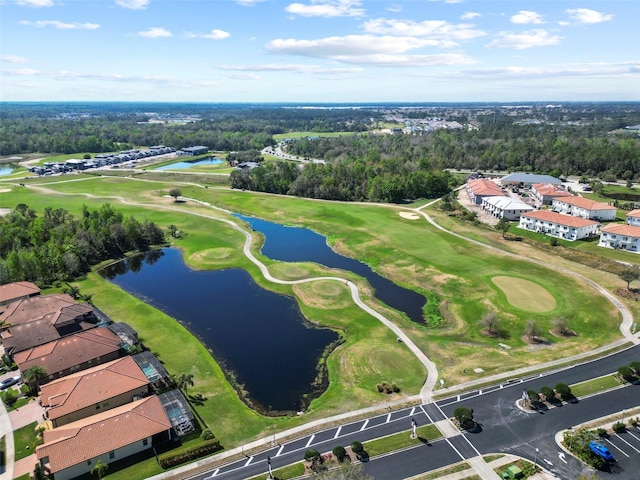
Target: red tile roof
pixel 89 387
pixel 550 190
pixel 99 434
pixel 60 307
pixel 622 229
pixel 585 203
pixel 484 187
pixel 13 291
pixel 559 218
pixel 634 213
pixel 67 352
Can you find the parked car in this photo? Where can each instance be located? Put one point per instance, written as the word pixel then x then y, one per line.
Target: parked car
pixel 601 451
pixel 7 382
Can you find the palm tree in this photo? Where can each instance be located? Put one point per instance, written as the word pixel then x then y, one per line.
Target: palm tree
pixel 35 376
pixel 185 380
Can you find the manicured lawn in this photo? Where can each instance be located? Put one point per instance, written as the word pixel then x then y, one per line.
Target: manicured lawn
pixel 281 136
pixel 25 440
pixel 285 473
pixel 401 440
pixel 412 253
pixel 595 385
pixel 443 472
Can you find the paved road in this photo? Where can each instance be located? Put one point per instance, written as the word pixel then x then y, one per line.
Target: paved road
pixel 505 429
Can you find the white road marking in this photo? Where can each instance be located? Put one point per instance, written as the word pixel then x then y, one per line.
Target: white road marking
pixel 388 418
pixel 628 443
pixel 617 448
pixel 338 432
pixel 310 440
pixel 280 450
pixel 561 456
pixel 364 425
pixel 248 461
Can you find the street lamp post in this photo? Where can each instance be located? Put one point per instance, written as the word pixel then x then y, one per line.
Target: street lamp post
pixel 413 429
pixel 535 461
pixel 269 465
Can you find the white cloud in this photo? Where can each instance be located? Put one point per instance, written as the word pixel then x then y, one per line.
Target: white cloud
pixel 155 32
pixel 244 76
pixel 215 34
pixel 447 1
pixel 291 67
pixel 442 30
pixel 248 3
pixel 133 4
pixel 521 41
pixel 527 17
pixel 61 25
pixel 21 72
pixel 470 15
pixel 571 70
pixel 585 15
pixel 395 8
pixel 327 8
pixel 35 3
pixel 14 59
pixel 367 50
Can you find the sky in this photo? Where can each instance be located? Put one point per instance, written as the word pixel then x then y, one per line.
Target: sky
pixel 318 51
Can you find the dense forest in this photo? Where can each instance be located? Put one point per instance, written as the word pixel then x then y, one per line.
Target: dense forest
pixel 493 146
pixel 59 128
pixel 357 180
pixel 57 247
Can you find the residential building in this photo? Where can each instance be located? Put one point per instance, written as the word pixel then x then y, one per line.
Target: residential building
pixel 505 207
pixel 558 225
pixel 40 319
pixel 74 449
pixel 621 237
pixel 633 217
pixel 94 390
pixel 544 193
pixel 190 151
pixel 72 354
pixel 11 292
pixel 528 179
pixel 481 188
pixel 585 208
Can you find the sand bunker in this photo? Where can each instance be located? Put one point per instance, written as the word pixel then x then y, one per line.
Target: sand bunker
pixel 409 215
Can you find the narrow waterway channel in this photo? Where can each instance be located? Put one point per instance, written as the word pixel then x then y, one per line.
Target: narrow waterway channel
pixel 294 244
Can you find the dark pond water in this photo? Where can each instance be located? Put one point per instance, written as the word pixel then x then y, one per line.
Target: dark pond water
pixel 628 197
pixel 192 163
pixel 293 244
pixel 260 336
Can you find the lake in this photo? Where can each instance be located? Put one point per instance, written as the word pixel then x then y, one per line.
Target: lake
pixel 192 163
pixel 294 244
pixel 260 336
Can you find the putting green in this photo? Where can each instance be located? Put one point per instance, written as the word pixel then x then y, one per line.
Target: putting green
pixel 525 295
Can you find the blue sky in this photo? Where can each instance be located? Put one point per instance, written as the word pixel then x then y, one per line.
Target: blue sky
pixel 319 50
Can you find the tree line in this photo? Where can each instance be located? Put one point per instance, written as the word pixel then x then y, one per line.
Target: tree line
pixel 57 247
pixel 104 128
pixel 357 180
pixel 491 147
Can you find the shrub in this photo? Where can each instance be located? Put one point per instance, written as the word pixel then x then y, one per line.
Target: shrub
pixel 619 427
pixel 356 447
pixel 548 393
pixel 312 455
pixel 207 434
pixel 169 460
pixel 633 422
pixel 626 372
pixel 564 391
pixel 464 416
pixel 635 366
pixel 9 397
pixel 533 396
pixel 601 432
pixel 339 452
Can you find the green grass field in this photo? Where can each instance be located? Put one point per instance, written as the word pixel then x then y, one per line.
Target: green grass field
pixel 412 253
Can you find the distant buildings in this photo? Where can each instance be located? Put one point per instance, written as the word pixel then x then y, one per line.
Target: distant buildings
pixel 191 151
pixel 558 225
